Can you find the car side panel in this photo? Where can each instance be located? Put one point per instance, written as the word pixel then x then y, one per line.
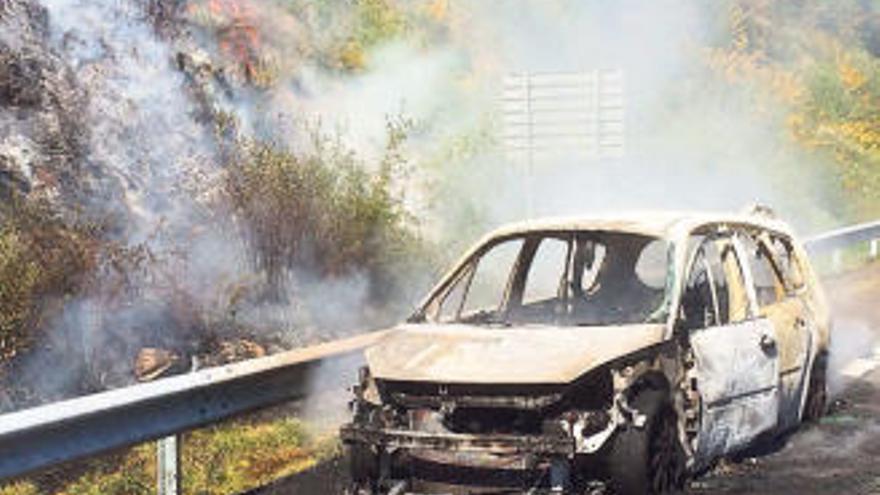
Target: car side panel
pixel 794 339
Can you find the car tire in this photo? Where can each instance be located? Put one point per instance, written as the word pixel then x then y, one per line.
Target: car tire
pixel 648 460
pixel 817 392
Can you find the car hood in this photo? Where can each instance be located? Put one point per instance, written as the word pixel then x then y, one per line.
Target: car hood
pixel 502 355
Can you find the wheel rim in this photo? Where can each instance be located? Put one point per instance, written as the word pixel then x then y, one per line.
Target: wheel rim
pixel 665 461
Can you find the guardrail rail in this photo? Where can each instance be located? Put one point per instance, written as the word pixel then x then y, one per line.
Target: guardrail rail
pixel 40 437
pixel 834 242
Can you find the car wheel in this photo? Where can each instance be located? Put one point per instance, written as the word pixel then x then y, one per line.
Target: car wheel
pixel 648 460
pixel 817 393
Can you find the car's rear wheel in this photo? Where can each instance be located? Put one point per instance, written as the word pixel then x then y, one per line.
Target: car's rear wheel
pixel 648 460
pixel 817 392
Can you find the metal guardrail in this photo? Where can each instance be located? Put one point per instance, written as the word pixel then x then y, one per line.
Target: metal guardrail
pixel 847 236
pixel 835 241
pixel 45 436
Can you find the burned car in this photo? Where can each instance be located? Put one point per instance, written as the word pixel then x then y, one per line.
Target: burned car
pixel 627 352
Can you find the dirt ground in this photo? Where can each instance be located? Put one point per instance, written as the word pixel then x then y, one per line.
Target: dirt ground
pixel 839 455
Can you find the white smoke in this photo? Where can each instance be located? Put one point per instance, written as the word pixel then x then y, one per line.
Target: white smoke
pixel 693 142
pixel 141 121
pixel 852 353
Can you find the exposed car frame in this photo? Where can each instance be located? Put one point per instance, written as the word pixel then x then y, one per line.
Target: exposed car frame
pixel 638 407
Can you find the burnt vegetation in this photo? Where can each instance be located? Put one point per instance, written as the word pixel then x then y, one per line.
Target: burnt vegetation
pixel 73 253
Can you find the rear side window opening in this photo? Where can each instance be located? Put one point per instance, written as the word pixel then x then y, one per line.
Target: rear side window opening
pixel 561 278
pixel 770 283
pixel 787 261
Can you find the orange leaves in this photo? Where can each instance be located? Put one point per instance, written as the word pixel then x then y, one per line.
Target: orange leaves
pixel 237 30
pixel 352 56
pixel 438 9
pixel 863 133
pixel 851 77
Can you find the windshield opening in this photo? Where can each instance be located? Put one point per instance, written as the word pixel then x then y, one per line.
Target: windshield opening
pixel 560 278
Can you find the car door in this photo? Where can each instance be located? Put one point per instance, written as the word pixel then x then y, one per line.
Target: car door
pixel 735 359
pixel 779 289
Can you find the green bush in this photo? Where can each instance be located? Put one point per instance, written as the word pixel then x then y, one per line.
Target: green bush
pixel 324 212
pixel 372 23
pixel 842 108
pixel 18 282
pixel 43 261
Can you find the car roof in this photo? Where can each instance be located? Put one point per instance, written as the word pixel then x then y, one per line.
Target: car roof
pixel 661 224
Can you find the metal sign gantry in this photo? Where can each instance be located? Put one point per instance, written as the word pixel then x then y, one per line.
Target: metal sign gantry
pixel 580 113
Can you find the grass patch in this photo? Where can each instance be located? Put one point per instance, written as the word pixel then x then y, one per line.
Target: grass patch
pixel 225 459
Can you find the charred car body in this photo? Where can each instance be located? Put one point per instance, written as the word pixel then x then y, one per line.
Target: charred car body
pixel 631 352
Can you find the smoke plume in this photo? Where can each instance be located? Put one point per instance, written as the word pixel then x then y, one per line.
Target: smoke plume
pixel 170 89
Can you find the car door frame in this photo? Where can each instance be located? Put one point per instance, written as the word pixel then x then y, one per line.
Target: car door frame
pixel 735 367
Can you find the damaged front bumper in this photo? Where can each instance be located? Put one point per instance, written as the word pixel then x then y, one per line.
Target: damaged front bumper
pixel 399 439
pixel 458 463
pixel 410 461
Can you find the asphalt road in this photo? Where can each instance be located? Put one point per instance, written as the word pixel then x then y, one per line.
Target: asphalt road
pixel 839 455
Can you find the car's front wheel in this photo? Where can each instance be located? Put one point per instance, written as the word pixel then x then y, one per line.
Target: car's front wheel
pixel 648 460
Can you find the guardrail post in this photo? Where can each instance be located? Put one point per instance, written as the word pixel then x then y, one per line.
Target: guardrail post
pixel 836 260
pixel 874 246
pixel 168 465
